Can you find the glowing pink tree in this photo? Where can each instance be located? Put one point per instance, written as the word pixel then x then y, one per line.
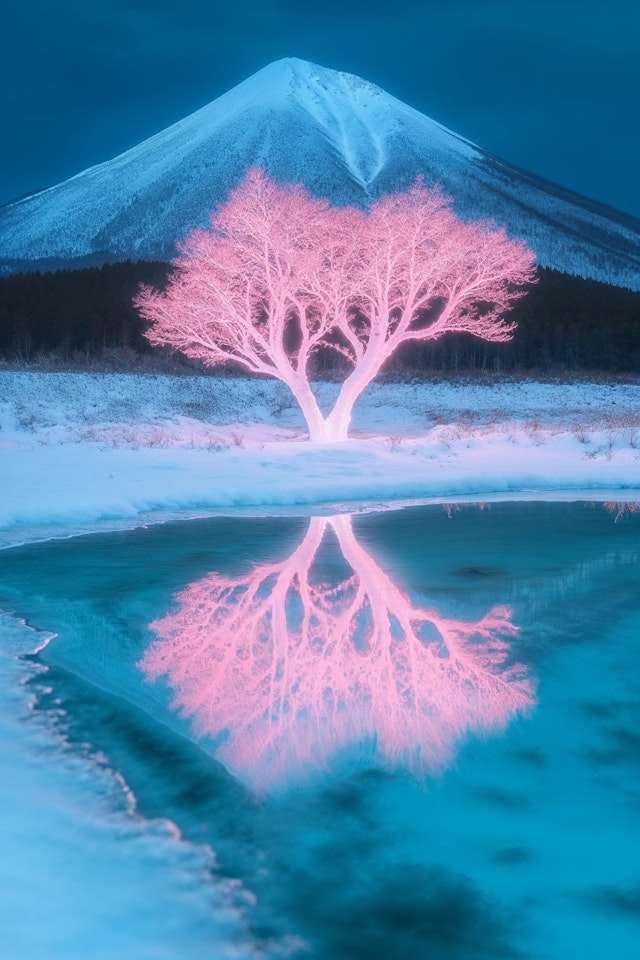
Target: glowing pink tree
pixel 424 273
pixel 264 287
pixel 279 275
pixel 297 671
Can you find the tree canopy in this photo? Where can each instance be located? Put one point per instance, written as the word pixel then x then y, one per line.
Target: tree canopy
pixel 278 275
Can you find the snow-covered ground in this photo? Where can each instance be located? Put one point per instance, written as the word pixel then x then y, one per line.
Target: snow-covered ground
pixel 80 449
pixel 77 858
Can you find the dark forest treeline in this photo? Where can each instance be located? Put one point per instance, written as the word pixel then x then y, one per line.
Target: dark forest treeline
pixel 74 311
pixel 564 321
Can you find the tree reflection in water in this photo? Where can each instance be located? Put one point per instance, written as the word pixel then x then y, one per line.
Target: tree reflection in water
pixel 621 508
pixel 295 672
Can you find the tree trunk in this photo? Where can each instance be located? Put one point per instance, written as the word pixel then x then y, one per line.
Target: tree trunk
pixel 335 427
pixel 338 421
pixel 312 413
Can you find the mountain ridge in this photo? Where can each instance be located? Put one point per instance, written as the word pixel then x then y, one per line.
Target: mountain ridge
pixel 344 138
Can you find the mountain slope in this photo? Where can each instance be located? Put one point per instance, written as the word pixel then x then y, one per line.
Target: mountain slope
pixel 344 138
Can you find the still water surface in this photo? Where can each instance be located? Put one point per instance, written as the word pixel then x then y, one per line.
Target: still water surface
pixel 404 734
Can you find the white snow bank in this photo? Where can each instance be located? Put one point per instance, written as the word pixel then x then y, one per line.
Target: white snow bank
pixel 79 448
pixel 82 874
pixel 33 401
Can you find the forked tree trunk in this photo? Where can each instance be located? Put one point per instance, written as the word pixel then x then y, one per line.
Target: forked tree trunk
pixel 338 421
pixel 334 428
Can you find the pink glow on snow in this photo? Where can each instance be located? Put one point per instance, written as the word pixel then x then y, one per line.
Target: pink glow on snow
pixel 298 671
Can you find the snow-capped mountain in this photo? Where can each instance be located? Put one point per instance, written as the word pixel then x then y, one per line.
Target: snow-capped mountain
pixel 344 138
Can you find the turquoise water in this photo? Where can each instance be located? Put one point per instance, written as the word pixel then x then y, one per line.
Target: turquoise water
pixel 406 734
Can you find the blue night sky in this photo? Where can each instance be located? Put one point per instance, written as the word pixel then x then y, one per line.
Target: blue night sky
pixel 552 86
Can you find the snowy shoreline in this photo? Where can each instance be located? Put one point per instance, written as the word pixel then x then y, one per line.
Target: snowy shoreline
pixel 80 450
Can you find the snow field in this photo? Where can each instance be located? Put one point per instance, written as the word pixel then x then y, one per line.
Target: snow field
pixel 80 448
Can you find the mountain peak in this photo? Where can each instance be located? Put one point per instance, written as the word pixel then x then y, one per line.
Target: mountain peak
pixel 304 71
pixel 344 138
